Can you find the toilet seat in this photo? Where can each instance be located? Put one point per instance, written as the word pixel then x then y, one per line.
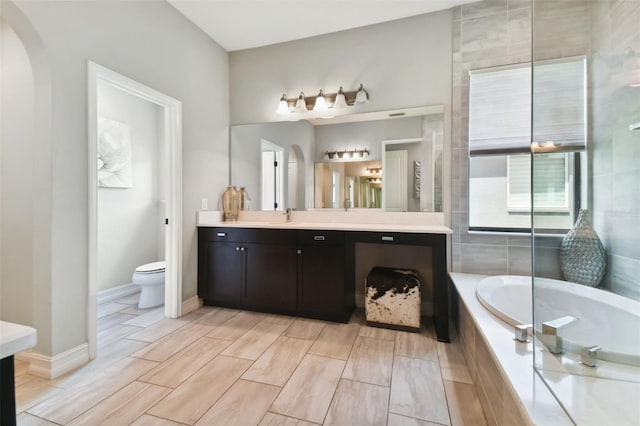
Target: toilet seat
pixel 151 268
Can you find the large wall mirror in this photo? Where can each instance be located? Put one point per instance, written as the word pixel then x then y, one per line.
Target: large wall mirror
pixel 389 160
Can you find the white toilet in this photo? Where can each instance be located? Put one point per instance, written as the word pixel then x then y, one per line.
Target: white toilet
pixel 150 278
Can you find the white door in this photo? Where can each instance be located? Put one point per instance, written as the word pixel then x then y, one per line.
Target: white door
pixel 272 196
pixel 394 181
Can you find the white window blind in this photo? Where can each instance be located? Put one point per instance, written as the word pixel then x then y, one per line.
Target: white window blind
pixel 500 107
pixel 551 189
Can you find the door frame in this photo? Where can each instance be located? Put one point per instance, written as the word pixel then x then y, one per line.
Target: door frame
pixel 173 150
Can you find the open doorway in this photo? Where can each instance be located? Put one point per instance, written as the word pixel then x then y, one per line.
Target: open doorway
pixel 272 196
pixel 135 196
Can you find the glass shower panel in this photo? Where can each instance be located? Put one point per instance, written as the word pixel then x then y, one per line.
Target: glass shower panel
pixel 586 278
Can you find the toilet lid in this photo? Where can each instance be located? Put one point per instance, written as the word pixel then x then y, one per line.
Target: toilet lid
pixel 151 267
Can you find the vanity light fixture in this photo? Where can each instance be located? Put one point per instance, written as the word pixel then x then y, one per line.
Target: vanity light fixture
pixel 283 106
pixel 374 170
pixel 346 154
pixel 341 100
pixel 362 97
pixel 374 180
pixel 321 103
pixel 324 104
pixel 301 104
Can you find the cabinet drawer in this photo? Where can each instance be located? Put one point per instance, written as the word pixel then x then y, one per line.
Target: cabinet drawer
pixel 320 237
pixel 234 235
pixel 269 236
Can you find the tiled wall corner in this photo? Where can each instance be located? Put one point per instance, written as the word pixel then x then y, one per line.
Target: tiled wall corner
pixel 494 33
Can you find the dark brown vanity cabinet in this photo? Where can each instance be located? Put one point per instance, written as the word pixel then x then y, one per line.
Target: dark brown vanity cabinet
pixel 248 268
pixel 275 270
pixel 321 276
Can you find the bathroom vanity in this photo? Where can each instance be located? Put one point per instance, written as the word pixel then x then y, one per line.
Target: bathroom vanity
pixel 305 268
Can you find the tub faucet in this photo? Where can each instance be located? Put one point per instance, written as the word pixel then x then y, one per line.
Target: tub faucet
pixel 522 332
pixel 550 329
pixel 589 356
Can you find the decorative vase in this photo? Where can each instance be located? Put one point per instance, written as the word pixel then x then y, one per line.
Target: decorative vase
pixel 582 256
pixel 230 203
pixel 244 199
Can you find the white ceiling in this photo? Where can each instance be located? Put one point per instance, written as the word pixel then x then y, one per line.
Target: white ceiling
pixel 244 24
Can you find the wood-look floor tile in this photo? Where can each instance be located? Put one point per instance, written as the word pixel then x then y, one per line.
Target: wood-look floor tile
pixel 113 334
pixel 131 299
pixel 124 406
pixel 189 401
pixel 147 420
pixel 253 343
pixel 377 332
pixel 398 420
pixel 70 403
pixel 244 404
pixel 279 319
pixel 417 390
pixel 191 316
pixel 273 419
pixel 464 405
pixel 33 392
pixel 117 350
pixel 309 391
pixel 112 319
pixel 357 403
pixel 335 341
pixel 148 318
pixel 216 316
pixel 236 326
pixel 26 419
pixel 452 363
pixel 416 345
pixel 371 361
pixel 304 329
pixel 162 349
pixel 277 363
pixel 110 308
pixel 179 367
pixel 158 330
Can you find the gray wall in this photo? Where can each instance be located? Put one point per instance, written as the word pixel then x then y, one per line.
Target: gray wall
pixel 16 180
pixel 131 220
pixel 403 63
pixel 615 173
pixel 488 34
pixel 167 53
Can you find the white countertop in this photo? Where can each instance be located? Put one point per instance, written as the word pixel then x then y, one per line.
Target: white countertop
pixel 16 338
pixel 389 222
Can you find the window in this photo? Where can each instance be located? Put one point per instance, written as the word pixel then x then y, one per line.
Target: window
pixel 500 145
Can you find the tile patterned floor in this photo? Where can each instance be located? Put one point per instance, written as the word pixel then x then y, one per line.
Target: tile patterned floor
pixel 220 366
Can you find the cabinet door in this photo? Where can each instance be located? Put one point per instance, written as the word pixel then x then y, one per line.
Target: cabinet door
pixel 270 277
pixel 223 273
pixel 321 282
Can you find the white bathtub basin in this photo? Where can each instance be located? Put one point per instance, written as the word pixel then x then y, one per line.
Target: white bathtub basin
pixel 603 318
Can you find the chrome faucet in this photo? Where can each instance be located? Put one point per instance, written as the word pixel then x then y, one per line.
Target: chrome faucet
pixel 550 333
pixel 287 215
pixel 522 332
pixel 347 202
pixel 589 356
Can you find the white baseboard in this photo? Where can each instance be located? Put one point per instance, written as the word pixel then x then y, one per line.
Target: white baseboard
pixel 191 305
pixel 52 367
pixel 114 293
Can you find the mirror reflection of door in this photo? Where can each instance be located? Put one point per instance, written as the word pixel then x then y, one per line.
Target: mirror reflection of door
pixel 395 182
pixel 335 190
pixel 272 176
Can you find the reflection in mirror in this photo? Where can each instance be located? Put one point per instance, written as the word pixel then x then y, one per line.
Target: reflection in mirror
pixel 353 185
pixel 286 164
